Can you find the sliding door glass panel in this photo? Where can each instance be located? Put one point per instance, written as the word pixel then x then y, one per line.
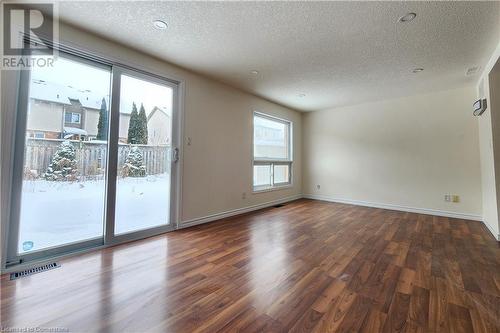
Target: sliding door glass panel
pixel 63 182
pixel 144 164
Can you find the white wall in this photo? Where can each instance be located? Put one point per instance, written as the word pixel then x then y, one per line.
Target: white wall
pixel 406 152
pixel 218 164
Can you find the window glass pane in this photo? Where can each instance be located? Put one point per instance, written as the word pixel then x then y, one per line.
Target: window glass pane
pixel 75 118
pixel 262 175
pixel 271 138
pixel 281 174
pixel 63 186
pixel 67 116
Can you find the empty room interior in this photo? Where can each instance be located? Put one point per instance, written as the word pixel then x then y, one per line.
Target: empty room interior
pixel 254 166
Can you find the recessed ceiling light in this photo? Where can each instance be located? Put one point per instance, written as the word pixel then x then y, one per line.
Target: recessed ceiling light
pixel 254 72
pixel 407 18
pixel 418 70
pixel 301 95
pixel 159 24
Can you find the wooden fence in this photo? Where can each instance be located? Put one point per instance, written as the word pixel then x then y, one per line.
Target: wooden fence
pixel 91 157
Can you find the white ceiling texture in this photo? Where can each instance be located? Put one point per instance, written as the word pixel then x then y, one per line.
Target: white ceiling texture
pixel 334 53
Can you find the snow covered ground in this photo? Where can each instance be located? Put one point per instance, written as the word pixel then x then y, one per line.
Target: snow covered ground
pixel 56 213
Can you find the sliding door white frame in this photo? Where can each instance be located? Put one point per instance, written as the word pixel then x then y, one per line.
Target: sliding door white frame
pixel 16 153
pixel 110 236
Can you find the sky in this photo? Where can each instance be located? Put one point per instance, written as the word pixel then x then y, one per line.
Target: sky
pixel 148 93
pixel 98 80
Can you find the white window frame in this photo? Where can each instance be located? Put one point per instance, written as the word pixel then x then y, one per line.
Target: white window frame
pixel 270 161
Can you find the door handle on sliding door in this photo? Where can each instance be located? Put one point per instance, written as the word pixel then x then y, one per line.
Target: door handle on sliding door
pixel 175 154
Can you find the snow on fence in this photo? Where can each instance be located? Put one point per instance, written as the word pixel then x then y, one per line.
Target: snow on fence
pixel 91 157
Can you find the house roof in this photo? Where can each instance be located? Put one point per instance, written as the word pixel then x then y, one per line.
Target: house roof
pixel 58 93
pixel 157 109
pixel 74 130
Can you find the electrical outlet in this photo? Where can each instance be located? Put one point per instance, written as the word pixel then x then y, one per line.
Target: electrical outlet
pixel 318 187
pixel 452 198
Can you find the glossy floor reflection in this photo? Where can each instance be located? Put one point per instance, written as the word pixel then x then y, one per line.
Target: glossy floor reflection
pixel 307 266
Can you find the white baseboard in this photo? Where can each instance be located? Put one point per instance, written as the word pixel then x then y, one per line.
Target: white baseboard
pixel 238 211
pixel 497 236
pixel 425 211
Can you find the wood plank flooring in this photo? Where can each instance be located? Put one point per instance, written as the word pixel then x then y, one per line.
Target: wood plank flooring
pixel 309 266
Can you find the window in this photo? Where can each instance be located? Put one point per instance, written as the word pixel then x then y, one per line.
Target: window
pixel 272 152
pixel 75 118
pixel 71 117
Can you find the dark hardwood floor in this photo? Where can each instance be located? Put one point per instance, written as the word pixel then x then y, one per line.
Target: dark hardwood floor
pixel 309 266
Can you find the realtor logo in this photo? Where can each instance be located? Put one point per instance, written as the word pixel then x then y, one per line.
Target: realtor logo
pixel 26 28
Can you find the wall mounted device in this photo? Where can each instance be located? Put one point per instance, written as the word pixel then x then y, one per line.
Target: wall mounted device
pixel 479 107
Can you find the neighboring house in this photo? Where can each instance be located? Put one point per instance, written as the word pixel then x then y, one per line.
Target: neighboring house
pixel 57 111
pixel 159 127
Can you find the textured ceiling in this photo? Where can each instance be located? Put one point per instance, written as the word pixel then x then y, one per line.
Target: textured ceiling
pixel 336 53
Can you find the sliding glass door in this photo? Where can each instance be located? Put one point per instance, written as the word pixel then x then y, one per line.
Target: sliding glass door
pixel 143 186
pixel 94 159
pixel 60 169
